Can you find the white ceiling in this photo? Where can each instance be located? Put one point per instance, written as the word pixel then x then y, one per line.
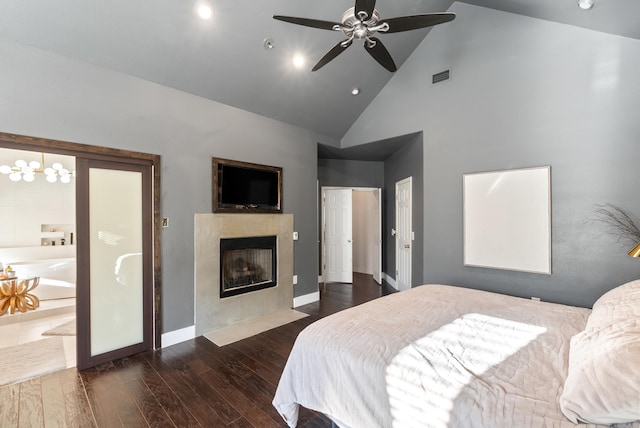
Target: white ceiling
pixel 10 156
pixel 223 59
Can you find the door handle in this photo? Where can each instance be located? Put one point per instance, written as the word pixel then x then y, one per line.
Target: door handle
pixel 407 246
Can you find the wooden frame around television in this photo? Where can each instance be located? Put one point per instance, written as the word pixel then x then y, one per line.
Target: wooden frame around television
pixel 218 207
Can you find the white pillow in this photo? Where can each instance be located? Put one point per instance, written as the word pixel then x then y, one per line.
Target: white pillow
pixel 603 382
pixel 621 303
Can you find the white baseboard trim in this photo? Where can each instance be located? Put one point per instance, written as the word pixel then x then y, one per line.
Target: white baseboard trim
pixel 178 336
pixel 306 299
pixel 391 281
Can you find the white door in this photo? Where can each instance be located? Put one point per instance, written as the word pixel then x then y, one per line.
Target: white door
pixel 377 252
pixel 338 257
pixel 403 234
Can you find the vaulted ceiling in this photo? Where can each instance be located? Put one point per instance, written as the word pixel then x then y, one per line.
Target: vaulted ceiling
pixel 224 58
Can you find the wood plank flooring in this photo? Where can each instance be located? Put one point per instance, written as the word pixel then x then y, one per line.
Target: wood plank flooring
pixel 191 384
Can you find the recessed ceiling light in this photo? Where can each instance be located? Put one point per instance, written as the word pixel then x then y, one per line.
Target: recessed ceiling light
pixel 585 4
pixel 204 10
pixel 298 61
pixel 355 91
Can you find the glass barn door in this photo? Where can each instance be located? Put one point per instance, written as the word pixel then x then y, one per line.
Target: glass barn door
pixel 115 284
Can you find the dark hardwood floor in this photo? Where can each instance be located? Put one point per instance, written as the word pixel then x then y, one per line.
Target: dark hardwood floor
pixel 191 384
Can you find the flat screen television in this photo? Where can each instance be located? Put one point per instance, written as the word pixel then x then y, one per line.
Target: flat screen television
pixel 246 187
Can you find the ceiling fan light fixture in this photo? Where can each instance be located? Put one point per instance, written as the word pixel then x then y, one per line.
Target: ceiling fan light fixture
pixel 362 22
pixel 585 4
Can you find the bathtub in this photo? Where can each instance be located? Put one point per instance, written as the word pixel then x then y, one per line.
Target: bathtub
pixel 57 276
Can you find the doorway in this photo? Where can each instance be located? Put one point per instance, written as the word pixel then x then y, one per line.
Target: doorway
pixel 37 239
pixel 123 157
pixel 351 233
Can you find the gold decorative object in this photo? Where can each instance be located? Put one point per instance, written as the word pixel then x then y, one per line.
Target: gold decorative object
pixel 14 294
pixel 635 251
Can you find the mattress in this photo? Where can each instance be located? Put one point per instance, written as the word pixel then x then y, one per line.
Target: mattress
pixel 434 356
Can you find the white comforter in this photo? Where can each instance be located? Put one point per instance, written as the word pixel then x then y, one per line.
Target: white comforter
pixel 434 356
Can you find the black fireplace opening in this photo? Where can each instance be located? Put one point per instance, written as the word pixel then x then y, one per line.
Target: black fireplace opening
pixel 247 264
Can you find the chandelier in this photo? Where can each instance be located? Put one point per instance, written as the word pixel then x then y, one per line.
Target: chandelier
pixel 27 171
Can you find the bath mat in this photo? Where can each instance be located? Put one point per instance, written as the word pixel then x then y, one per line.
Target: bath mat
pixel 66 329
pixel 236 332
pixel 33 359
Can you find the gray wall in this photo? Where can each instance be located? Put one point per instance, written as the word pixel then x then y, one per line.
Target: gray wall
pixel 406 162
pixel 350 173
pixel 50 96
pixel 524 92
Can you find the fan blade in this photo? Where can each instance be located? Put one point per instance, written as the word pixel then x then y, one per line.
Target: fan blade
pixel 413 22
pixel 314 23
pixel 366 6
pixel 334 52
pixel 380 54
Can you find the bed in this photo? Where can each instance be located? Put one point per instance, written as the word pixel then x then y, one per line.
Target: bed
pixel 445 356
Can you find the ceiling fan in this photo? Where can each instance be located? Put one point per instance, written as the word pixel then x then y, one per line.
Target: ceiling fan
pixel 363 21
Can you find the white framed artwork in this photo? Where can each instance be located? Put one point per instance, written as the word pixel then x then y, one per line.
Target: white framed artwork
pixel 507 219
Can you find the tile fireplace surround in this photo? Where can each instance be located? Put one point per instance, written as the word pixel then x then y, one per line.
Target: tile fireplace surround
pixel 212 312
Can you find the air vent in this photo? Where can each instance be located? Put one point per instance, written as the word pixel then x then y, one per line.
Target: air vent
pixel 440 77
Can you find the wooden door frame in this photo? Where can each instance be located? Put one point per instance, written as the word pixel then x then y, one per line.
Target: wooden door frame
pixel 22 142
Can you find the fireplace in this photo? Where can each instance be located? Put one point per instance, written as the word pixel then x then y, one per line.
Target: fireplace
pixel 210 231
pixel 247 264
